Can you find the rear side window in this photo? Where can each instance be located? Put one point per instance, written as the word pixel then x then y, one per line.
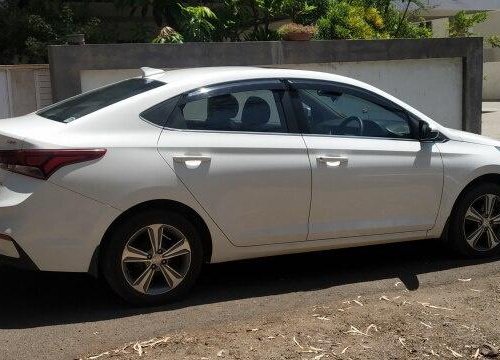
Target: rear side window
pixel 84 104
pixel 252 111
pixel 159 114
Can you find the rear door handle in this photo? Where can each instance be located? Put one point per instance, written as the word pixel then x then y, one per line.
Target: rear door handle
pixel 333 161
pixel 191 162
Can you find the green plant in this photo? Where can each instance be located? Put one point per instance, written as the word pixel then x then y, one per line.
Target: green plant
pixel 168 35
pixel 312 12
pixel 494 41
pixel 198 23
pixel 399 24
pixel 462 23
pixel 347 21
pixel 261 34
pixel 233 20
pixel 270 9
pixel 301 11
pixel 29 26
pixel 163 11
pixel 396 28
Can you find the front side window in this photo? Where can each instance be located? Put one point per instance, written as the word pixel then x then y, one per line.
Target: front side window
pixel 343 113
pixel 253 111
pixel 84 104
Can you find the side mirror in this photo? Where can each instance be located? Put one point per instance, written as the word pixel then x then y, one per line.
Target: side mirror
pixel 425 133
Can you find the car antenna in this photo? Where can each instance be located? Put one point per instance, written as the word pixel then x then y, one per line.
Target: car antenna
pixel 147 71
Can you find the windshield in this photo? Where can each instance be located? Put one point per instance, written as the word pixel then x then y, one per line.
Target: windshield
pixel 84 104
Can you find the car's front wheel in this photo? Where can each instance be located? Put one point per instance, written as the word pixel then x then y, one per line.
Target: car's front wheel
pixel 475 225
pixel 153 257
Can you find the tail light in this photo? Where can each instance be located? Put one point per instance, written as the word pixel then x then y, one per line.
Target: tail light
pixel 42 164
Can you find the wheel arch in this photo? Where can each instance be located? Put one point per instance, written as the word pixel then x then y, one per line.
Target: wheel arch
pixel 160 204
pixel 482 179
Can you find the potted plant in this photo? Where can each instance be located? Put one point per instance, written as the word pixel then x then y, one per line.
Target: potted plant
pixel 296 32
pixel 75 39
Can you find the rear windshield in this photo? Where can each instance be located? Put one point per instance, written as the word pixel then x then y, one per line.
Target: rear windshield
pixel 84 104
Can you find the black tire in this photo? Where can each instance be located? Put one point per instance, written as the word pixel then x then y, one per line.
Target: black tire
pixel 111 256
pixel 457 229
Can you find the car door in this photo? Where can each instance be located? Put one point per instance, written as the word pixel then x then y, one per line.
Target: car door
pixel 370 175
pixel 233 148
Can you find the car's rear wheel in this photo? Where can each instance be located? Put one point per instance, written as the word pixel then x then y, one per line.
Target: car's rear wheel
pixel 475 225
pixel 153 257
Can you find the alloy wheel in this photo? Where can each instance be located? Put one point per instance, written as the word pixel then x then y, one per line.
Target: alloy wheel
pixel 156 259
pixel 481 225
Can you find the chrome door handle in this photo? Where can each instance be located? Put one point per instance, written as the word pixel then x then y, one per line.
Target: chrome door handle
pixel 184 158
pixel 333 161
pixel 191 162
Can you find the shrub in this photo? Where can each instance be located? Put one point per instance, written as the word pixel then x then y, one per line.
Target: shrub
pixel 462 23
pixel 346 21
pixel 197 23
pixel 494 41
pixel 261 34
pixel 305 12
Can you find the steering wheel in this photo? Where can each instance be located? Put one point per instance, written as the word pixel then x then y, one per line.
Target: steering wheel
pixel 343 125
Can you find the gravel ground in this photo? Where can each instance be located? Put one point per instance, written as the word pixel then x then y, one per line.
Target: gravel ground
pixel 448 321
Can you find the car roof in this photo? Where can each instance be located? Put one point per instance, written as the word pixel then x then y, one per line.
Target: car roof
pixel 234 73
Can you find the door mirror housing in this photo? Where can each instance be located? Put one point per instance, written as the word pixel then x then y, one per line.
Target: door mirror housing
pixel 425 133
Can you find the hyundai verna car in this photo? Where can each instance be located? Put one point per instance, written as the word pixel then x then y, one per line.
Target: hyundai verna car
pixel 145 180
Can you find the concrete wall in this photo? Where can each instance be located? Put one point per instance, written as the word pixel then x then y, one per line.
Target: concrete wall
pixel 426 73
pixel 491 82
pixel 425 84
pixel 4 95
pixel 24 89
pixel 426 76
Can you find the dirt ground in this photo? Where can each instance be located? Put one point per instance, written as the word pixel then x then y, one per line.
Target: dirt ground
pixel 449 321
pixel 399 301
pixel 455 319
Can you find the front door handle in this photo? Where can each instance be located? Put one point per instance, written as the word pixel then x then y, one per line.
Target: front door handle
pixel 191 162
pixel 333 161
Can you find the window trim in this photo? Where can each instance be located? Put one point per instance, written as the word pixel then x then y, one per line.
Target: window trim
pixel 142 117
pixel 297 84
pixel 239 86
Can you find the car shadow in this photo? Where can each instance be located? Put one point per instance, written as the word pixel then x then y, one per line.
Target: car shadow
pixel 32 299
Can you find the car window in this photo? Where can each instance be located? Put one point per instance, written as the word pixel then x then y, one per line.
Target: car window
pixel 253 111
pixel 159 114
pixel 342 113
pixel 89 102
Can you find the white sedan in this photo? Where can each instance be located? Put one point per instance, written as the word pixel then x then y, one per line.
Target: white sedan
pixel 145 180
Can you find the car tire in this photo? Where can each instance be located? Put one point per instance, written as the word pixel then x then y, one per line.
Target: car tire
pixel 144 280
pixel 474 229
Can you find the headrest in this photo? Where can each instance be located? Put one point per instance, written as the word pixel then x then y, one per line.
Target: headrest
pixel 256 112
pixel 222 107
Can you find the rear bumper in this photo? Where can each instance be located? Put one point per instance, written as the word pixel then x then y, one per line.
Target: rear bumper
pixel 12 255
pixel 51 228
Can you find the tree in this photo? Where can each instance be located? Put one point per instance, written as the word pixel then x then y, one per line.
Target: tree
pixel 197 23
pixel 368 19
pixel 462 23
pixel 165 12
pixel 30 25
